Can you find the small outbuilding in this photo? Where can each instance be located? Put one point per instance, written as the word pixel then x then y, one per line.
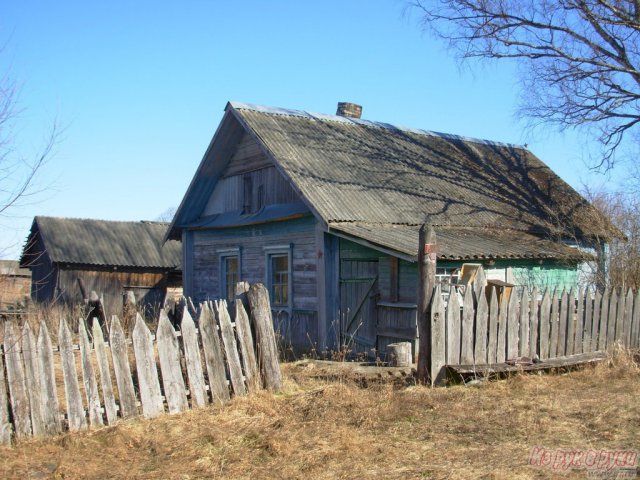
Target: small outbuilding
pixel 15 285
pixel 69 257
pixel 326 209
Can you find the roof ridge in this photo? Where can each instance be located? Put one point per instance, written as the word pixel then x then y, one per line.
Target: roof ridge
pixel 84 219
pixel 367 123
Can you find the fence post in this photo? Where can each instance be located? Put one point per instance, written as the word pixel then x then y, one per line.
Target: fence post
pixel 426 284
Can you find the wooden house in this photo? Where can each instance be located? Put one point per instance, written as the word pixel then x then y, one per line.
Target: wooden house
pixel 325 210
pixel 70 257
pixel 15 285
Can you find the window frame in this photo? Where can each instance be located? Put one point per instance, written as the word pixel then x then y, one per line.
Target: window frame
pixel 279 251
pixel 223 256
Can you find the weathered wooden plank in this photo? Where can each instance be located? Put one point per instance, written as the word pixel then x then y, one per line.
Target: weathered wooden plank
pixel 89 377
pixel 534 324
pixel 554 324
pixel 468 314
pixel 620 311
pixel 635 322
pixel 169 353
pixel 149 384
pixel 492 345
pixel 75 410
pixel 571 323
pixel 122 370
pixel 563 322
pixel 587 340
pixel 50 405
pixel 480 348
pixel 230 348
pixel 247 349
pixel 578 342
pixel 193 360
pixel 523 345
pixel 545 326
pixel 598 341
pixel 105 374
pixel 513 328
pixel 32 378
pixel 611 320
pixel 627 319
pixel 452 316
pixel 17 382
pixel 213 356
pixel 5 425
pixel 265 337
pixel 438 339
pixel 501 343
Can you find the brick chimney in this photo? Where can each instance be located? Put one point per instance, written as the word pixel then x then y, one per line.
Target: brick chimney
pixel 346 109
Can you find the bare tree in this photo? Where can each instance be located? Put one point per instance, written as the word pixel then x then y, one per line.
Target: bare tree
pixel 18 173
pixel 579 59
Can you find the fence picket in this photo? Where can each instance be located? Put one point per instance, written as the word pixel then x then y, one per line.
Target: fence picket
pixel 453 327
pixel 513 327
pixel 599 337
pixel 169 353
pixel 587 339
pixel 534 324
pixel 105 374
pixel 611 319
pixel 150 394
pixel 121 369
pixel 89 377
pixel 75 409
pixel 193 360
pixel 501 344
pixel 5 426
pixel 17 382
pixel 245 340
pixel 32 378
pixel 635 322
pixel 230 347
pixel 481 329
pixel 438 341
pixel 571 323
pixel 578 344
pixel 50 404
pixel 626 321
pixel 523 346
pixel 621 308
pixel 554 323
pixel 265 336
pixel 213 355
pixel 545 326
pixel 466 353
pixel 492 347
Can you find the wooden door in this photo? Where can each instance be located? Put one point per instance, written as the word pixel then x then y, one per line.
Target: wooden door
pixel 358 295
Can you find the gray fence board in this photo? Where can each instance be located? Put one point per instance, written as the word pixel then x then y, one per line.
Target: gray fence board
pixel 466 351
pixel 122 369
pixel 524 338
pixel 105 374
pixel 611 320
pixel 587 339
pixel 438 340
pixel 626 319
pixel 149 384
pixel 545 325
pixel 75 410
pixel 453 329
pixel 32 378
pixel 51 406
pixel 89 377
pixel 513 327
pixel 492 345
pixel 230 348
pixel 17 382
pixel 571 323
pixel 247 348
pixel 169 353
pixel 635 322
pixel 598 336
pixel 5 425
pixel 501 343
pixel 213 356
pixel 554 323
pixel 193 359
pixel 534 323
pixel 482 312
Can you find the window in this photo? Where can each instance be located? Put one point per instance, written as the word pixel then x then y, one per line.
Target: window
pixel 279 277
pixel 229 273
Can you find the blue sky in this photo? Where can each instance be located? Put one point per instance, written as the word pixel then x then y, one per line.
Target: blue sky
pixel 140 87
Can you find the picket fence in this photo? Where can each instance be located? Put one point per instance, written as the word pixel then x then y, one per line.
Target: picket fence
pixel 482 332
pixel 233 365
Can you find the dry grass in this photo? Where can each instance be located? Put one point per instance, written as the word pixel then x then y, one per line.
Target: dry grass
pixel 334 429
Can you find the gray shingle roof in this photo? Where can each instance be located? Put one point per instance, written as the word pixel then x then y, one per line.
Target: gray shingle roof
pixel 104 243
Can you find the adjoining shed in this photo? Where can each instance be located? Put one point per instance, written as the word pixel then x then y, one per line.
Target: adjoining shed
pixel 15 285
pixel 326 210
pixel 70 257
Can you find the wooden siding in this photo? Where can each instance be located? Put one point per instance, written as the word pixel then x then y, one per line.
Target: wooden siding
pixel 268 187
pixel 300 330
pixel 44 275
pixel 247 157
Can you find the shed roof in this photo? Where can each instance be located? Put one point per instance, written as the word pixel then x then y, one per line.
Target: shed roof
pixel 103 243
pixel 12 268
pixel 371 177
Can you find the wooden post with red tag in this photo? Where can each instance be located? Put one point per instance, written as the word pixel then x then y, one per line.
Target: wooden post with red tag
pixel 426 285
